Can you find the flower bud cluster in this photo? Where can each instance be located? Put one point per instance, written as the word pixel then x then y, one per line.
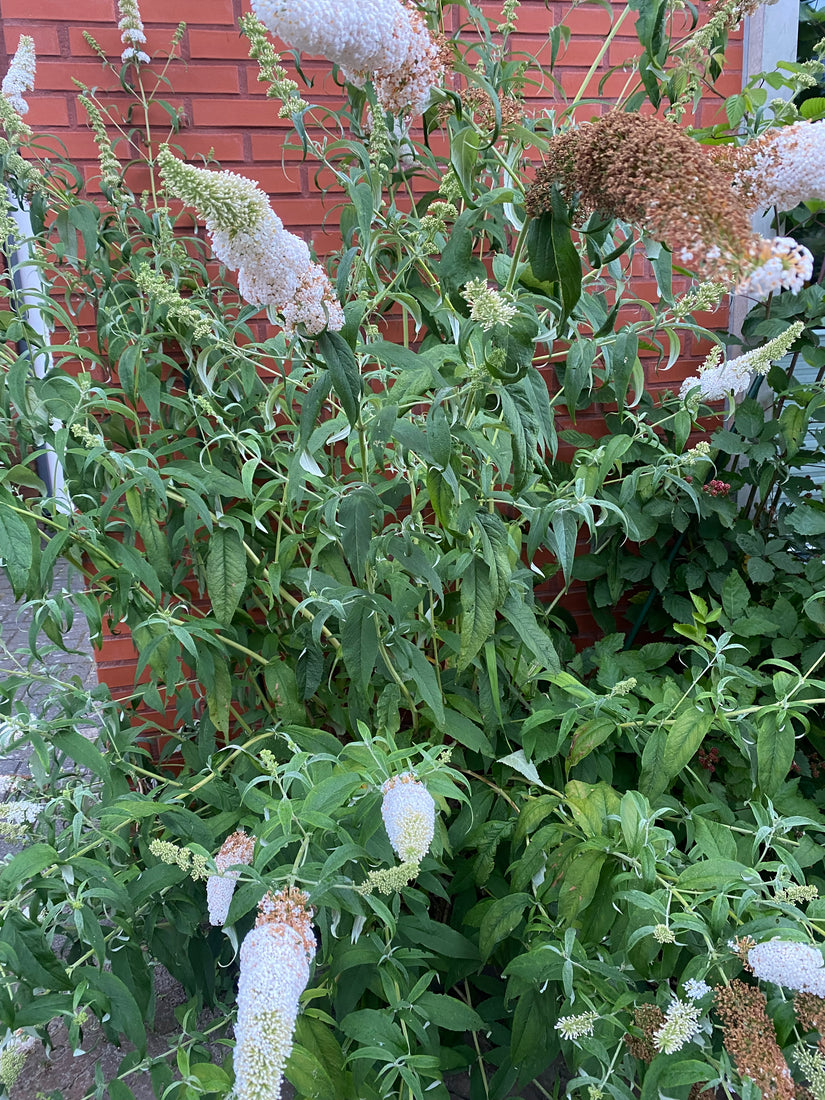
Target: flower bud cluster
pixel 274 266
pixel 20 75
pixel 388 880
pixel 789 964
pixel 382 40
pixel 275 960
pixel 238 848
pixel 575 1027
pixel 681 1024
pixel 408 811
pixel 783 167
pixel 192 862
pixel 132 32
pixel 488 306
pixel 153 284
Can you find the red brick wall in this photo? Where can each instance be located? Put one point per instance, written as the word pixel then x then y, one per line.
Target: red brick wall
pixel 226 110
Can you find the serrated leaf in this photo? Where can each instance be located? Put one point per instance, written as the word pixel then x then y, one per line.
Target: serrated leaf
pixel 500 918
pixel 359 643
pixel 343 371
pixel 478 616
pixel 355 515
pixel 775 745
pixel 16 549
pixel 225 572
pixel 578 887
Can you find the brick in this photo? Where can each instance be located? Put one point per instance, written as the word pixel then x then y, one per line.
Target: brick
pixel 200 76
pixel 46 112
pixel 228 148
pixel 106 37
pixel 231 113
pixel 45 38
pixel 86 11
pixel 208 43
pixel 204 12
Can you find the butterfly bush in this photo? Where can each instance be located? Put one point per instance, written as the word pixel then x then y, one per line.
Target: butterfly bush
pixel 792 965
pixel 275 961
pixel 717 380
pixel 783 265
pixel 274 266
pixel 237 849
pixel 408 811
pixel 782 167
pixel 381 40
pixel 20 75
pixel 132 32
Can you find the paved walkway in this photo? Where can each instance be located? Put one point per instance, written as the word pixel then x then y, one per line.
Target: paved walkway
pixel 14 655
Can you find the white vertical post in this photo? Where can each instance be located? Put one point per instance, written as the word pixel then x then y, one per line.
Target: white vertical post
pixel 29 293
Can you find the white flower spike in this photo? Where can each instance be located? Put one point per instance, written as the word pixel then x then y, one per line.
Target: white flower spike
pixel 275 960
pixel 237 848
pixel 408 811
pixel 382 40
pixel 20 75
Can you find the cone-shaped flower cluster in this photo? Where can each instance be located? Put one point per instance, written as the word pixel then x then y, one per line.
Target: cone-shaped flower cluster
pixel 783 167
pixel 382 40
pixel 132 33
pixel 718 380
pixel 782 265
pixel 237 848
pixel 789 964
pixel 275 958
pixel 649 171
pixel 408 811
pixel 274 266
pixel 20 75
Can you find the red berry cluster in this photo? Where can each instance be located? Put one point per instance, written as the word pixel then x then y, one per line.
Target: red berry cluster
pixel 716 488
pixel 708 759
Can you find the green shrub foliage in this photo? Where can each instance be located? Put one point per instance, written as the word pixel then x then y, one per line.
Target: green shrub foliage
pixel 344 550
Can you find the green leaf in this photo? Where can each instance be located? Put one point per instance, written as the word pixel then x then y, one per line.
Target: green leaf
pixel 588 737
pixel 210 1078
pixel 219 694
pixel 813 108
pixel 478 615
pixel 331 793
pixel 359 642
pixel 578 887
pixel 683 740
pixel 750 418
pixel 118 1002
pixel 25 865
pixel 523 620
pixel 424 681
pixel 716 874
pixel 735 595
pixel 448 1012
pixel 775 745
pixel 500 918
pixel 343 370
pixel 39 966
pixel 464 158
pixel 225 572
pixel 442 496
pixel 564 529
pixel 355 515
pixel 553 256
pixel 467 733
pixel 16 548
pixel 577 373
